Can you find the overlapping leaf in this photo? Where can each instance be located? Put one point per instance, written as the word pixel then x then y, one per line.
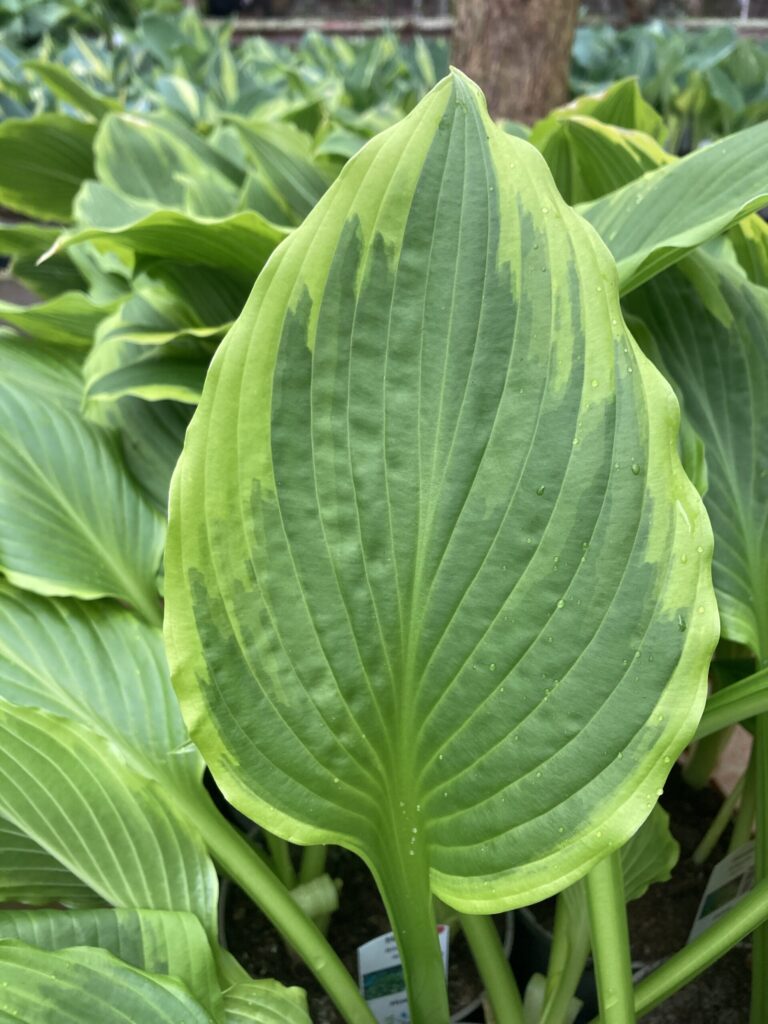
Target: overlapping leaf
pixel 71 520
pixel 709 333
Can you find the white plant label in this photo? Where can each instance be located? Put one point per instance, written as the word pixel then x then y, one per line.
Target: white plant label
pixel 731 879
pixel 380 974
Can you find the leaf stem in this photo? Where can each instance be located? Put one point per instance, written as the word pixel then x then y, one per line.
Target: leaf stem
pixel 404 887
pixel 312 865
pixel 694 958
pixel 736 702
pixel 494 968
pixel 719 825
pixel 703 761
pixel 280 852
pixel 742 829
pixel 610 941
pixel 759 1007
pixel 236 857
pixel 570 952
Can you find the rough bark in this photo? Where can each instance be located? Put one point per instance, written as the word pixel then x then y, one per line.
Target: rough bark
pixel 518 51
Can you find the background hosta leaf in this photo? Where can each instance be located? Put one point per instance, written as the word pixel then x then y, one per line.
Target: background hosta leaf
pixel 156 941
pixel 71 520
pixel 654 221
pixel 151 435
pixel 45 160
pixel 67 86
pixel 68 319
pixel 101 666
pixel 589 159
pixel 709 333
pixel 69 790
pixel 29 874
pixel 240 243
pixel 90 986
pixel 437 584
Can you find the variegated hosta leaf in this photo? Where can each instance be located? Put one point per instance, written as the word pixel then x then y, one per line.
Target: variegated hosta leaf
pixel 156 941
pixel 653 222
pixel 431 546
pixel 71 519
pixel 709 333
pixel 70 791
pixel 90 986
pixel 29 874
pixel 99 665
pixel 239 243
pixel 589 159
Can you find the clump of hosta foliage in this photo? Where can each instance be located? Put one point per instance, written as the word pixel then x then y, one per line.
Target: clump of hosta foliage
pixel 704 84
pixel 432 545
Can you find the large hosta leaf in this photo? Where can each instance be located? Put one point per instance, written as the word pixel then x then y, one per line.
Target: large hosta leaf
pixel 709 333
pixel 438 588
pixel 265 1002
pixel 653 222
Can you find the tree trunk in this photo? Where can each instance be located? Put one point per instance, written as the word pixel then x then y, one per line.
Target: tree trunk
pixel 518 52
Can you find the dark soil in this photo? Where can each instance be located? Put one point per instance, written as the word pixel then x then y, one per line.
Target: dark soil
pixel 659 926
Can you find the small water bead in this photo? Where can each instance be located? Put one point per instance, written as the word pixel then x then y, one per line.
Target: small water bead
pixel 538 775
pixel 540 489
pixel 561 829
pixel 545 209
pixel 415 831
pixel 336 780
pixel 620 756
pixel 683 559
pixel 667 760
pixel 700 609
pixel 561 603
pixel 682 625
pixel 636 468
pixel 594 382
pixel 492 666
pixel 700 549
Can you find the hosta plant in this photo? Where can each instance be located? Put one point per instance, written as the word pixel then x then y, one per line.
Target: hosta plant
pixel 437 586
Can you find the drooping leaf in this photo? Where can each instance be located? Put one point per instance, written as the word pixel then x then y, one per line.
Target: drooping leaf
pixel 649 856
pixel 709 333
pixel 68 319
pixel 240 243
pixel 29 874
pixel 71 519
pixel 653 222
pixel 89 986
pixel 99 665
pixel 425 570
pixel 156 941
pixel 67 788
pixel 45 160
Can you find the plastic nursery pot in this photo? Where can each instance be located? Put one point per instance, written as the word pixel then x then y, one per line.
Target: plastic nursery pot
pixel 530 955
